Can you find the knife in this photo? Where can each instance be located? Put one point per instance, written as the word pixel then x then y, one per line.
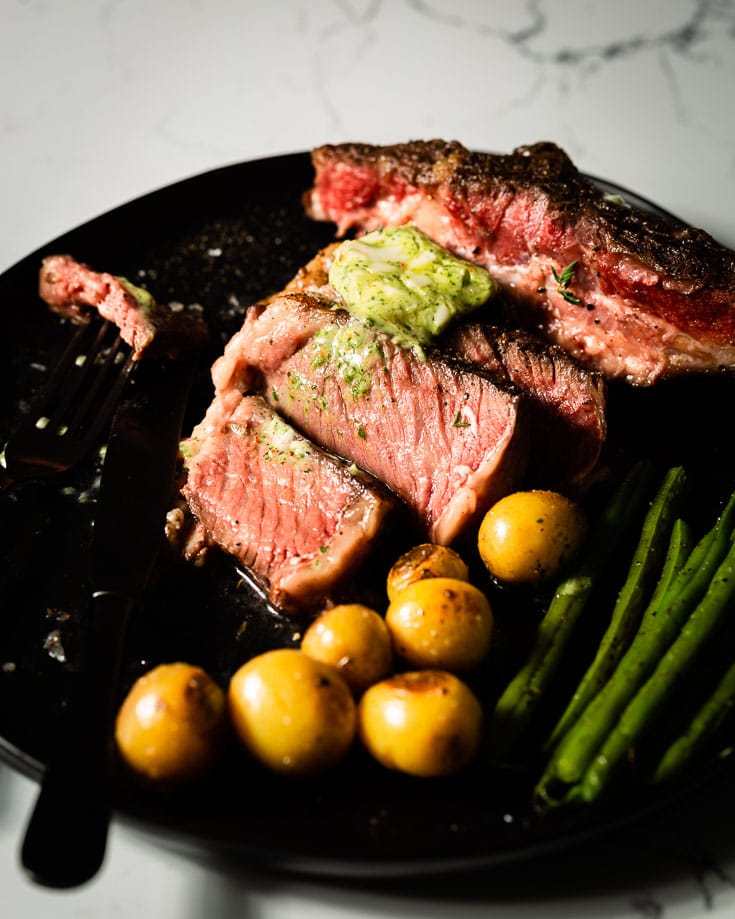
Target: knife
pixel 65 840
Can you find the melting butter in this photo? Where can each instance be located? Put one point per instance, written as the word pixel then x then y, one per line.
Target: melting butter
pixel 281 442
pixel 353 351
pixel 402 283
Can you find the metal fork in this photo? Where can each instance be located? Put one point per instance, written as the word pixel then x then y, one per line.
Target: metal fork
pixel 77 403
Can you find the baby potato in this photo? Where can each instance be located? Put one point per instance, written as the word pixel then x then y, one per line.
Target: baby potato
pixel 296 715
pixel 355 640
pixel 425 561
pixel 172 724
pixel 441 623
pixel 424 723
pixel 529 537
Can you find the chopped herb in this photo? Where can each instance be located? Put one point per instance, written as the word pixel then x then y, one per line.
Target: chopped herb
pixel 458 423
pixel 569 296
pixel 353 351
pixel 564 280
pixel 361 433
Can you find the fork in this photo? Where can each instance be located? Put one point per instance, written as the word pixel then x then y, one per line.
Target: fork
pixel 77 403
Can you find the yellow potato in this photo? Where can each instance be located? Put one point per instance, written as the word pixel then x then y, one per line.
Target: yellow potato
pixel 354 639
pixel 425 561
pixel 172 724
pixel 443 623
pixel 296 715
pixel 529 537
pixel 424 723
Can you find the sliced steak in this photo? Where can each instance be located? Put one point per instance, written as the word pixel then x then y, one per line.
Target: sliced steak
pixel 447 439
pixel 75 290
pixel 646 298
pixel 567 402
pixel 294 515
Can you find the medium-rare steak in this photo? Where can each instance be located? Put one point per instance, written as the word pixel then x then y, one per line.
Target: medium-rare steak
pixel 294 515
pixel 447 439
pixel 626 292
pixel 566 401
pixel 73 289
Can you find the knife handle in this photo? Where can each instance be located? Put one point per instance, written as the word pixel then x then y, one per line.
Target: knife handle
pixel 66 838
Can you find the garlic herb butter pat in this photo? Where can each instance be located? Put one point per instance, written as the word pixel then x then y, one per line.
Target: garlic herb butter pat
pixel 400 282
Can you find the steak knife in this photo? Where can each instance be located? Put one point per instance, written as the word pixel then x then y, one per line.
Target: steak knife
pixel 65 840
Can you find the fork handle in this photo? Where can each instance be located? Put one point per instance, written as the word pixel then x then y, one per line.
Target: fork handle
pixel 66 838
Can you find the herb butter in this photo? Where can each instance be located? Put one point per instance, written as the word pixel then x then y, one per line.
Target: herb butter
pixel 352 351
pixel 281 443
pixel 402 283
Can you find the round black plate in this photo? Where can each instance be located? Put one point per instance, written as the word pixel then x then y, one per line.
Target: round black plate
pixel 224 239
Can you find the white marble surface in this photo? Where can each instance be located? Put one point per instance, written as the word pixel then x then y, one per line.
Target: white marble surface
pixel 102 100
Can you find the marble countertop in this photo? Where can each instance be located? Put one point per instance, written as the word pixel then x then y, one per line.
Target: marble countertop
pixel 103 100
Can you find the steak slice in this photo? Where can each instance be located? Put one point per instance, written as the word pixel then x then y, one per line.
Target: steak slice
pixel 73 289
pixel 567 402
pixel 291 513
pixel 643 298
pixel 447 439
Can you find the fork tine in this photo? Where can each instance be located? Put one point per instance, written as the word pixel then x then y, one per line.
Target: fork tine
pixel 108 378
pixel 50 391
pixel 76 404
pixel 77 364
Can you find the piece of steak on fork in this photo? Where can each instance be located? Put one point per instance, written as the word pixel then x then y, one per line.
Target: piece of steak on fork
pixel 73 289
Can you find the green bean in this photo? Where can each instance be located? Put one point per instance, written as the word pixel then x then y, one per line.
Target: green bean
pixel 659 626
pixel 680 548
pixel 518 703
pixel 652 697
pixel 644 568
pixel 553 781
pixel 703 727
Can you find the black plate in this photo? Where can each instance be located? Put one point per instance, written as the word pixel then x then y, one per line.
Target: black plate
pixel 224 239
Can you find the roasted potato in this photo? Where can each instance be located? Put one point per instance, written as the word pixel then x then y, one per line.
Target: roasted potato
pixel 529 537
pixel 441 623
pixel 172 724
pixel 425 561
pixel 295 715
pixel 355 640
pixel 424 723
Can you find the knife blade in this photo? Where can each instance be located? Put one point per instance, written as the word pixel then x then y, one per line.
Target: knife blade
pixel 65 840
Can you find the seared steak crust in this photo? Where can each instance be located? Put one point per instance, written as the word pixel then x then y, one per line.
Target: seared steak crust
pixel 566 402
pixel 648 298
